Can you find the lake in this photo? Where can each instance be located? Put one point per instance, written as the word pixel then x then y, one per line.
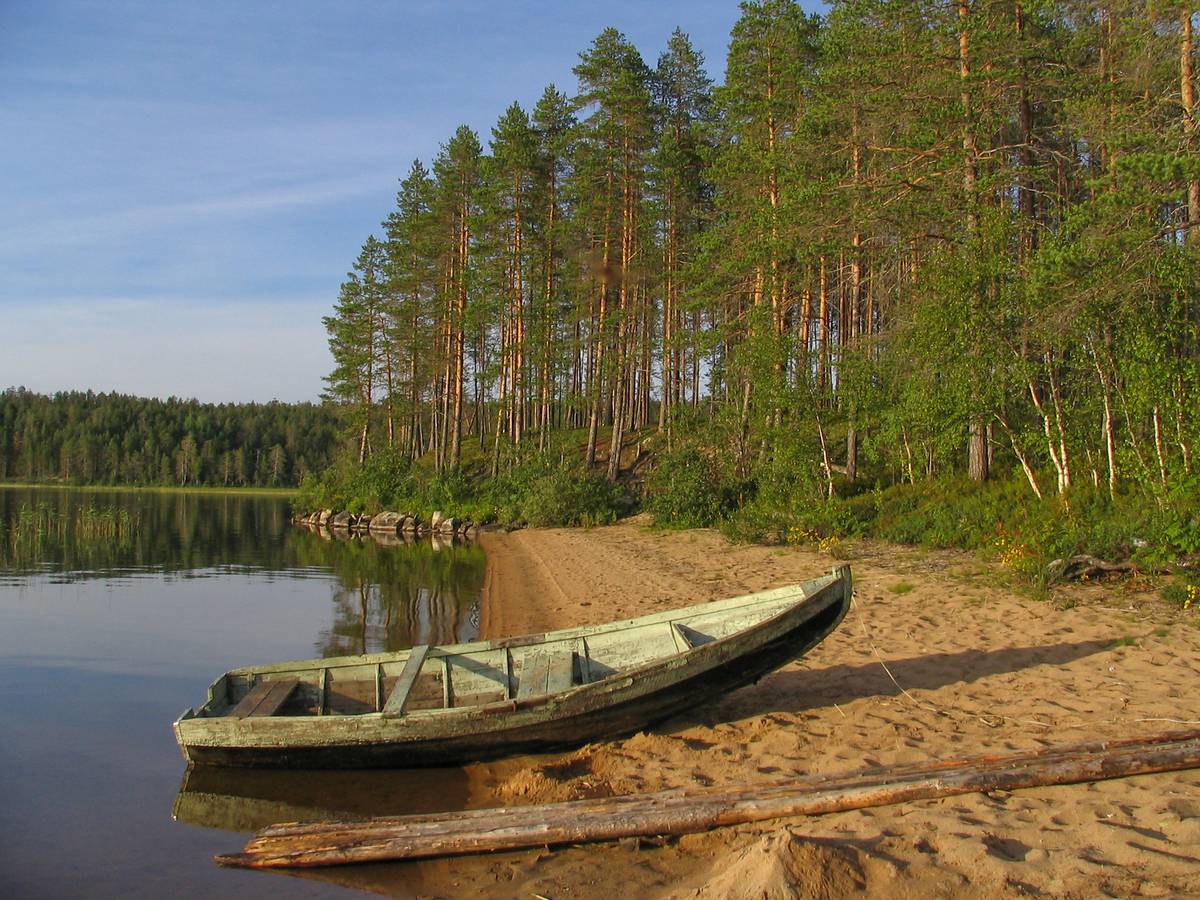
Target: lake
pixel 117 608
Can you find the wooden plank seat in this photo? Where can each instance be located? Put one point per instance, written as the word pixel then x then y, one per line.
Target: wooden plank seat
pixel 265 698
pixel 401 690
pixel 547 670
pixel 562 670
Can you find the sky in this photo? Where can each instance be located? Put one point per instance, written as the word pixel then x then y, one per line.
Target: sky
pixel 186 184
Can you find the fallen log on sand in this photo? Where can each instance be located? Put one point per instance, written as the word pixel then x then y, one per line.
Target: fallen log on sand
pixel 683 812
pixel 1084 567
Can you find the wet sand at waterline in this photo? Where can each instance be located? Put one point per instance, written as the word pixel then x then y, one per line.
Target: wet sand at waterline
pixel 974 668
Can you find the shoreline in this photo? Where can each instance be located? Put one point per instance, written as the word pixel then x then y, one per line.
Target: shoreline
pixel 150 489
pixel 971 667
pixel 517 587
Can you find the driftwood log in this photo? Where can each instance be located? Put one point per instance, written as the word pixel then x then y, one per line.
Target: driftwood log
pixel 1075 568
pixel 683 812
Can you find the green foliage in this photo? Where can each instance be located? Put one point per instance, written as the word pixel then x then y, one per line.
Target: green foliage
pixel 830 283
pixel 996 518
pixel 686 490
pixel 1176 522
pixel 87 438
pixel 569 495
pixel 388 481
pixel 788 492
pixel 542 491
pixel 1183 592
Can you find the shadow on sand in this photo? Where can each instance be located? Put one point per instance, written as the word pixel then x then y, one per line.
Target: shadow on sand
pixel 806 689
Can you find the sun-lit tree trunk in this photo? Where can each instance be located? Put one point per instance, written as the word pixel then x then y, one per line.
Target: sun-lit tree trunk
pixel 458 340
pixel 1187 93
pixel 621 385
pixel 977 443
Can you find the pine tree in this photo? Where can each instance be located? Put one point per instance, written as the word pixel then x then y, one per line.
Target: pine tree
pixel 772 57
pixel 683 93
pixel 457 169
pixel 412 288
pixel 357 341
pixel 616 138
pixel 512 175
pixel 554 124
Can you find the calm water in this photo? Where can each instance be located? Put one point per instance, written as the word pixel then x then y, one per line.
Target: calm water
pixel 116 611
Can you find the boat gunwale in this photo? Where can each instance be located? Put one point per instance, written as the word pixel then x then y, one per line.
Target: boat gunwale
pixel 436 651
pixel 339 730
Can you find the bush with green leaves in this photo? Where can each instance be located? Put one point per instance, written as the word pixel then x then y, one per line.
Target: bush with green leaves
pixel 368 487
pixel 571 495
pixel 685 490
pixel 540 491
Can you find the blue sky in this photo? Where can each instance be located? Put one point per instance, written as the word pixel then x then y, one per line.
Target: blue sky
pixel 185 184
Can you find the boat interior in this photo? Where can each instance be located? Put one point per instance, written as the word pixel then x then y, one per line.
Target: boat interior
pixel 432 680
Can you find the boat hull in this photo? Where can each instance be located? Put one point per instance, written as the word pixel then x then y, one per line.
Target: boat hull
pixel 619 705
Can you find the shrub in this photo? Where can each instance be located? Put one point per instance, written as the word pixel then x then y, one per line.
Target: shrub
pixel 375 484
pixel 570 496
pixel 999 517
pixel 684 490
pixel 539 491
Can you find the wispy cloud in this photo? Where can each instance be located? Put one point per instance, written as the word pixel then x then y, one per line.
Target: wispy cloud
pixel 159 156
pixel 72 230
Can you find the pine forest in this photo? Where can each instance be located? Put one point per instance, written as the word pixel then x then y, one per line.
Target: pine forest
pixel 902 242
pixel 87 438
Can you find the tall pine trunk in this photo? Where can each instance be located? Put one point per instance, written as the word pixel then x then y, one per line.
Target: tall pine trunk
pixel 1187 92
pixel 977 444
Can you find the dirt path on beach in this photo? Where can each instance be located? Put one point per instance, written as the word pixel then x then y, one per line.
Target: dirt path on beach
pixel 934 660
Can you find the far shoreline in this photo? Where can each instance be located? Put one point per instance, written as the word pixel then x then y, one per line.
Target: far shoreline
pixel 155 489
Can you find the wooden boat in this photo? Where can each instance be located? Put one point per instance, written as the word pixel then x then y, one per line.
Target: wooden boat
pixel 433 706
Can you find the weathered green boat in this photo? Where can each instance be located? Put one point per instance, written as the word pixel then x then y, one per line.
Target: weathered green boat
pixel 432 706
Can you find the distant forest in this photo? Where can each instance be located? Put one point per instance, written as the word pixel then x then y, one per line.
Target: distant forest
pixel 89 438
pixel 903 240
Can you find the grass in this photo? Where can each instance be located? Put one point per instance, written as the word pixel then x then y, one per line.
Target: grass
pixel 1182 593
pixel 902 587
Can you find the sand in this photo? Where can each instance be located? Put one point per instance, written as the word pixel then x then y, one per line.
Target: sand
pixel 936 659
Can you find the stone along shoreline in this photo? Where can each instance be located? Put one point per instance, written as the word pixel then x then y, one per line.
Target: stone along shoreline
pixel 389 523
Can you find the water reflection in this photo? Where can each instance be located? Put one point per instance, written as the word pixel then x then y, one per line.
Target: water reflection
pixel 172 532
pixel 242 800
pixel 425 592
pixel 113 621
pixel 389 591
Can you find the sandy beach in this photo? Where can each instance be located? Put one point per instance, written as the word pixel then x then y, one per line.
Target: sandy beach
pixel 934 660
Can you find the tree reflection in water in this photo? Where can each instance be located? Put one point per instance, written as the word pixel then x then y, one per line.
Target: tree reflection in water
pixel 188 534
pixel 392 594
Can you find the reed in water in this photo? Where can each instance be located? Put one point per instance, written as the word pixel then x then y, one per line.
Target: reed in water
pixel 35 527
